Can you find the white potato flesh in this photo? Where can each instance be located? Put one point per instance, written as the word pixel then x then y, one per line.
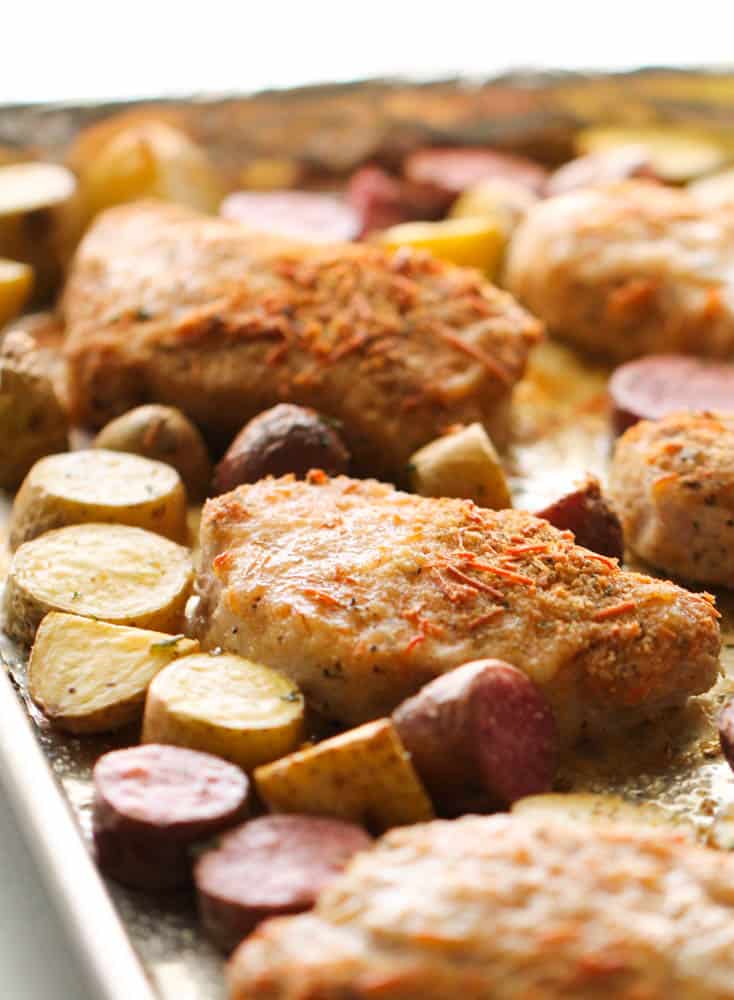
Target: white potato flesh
pixel 225 705
pixel 89 676
pixel 118 574
pixel 462 464
pixel 99 486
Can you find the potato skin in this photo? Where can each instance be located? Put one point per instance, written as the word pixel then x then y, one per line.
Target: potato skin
pixel 285 438
pixel 480 737
pixel 33 423
pixel 162 433
pixel 587 513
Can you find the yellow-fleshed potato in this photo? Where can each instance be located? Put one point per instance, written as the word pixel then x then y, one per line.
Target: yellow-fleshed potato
pixel 225 705
pixel 162 433
pixel 461 464
pixel 89 676
pixel 677 153
pixel 32 421
pixel 119 574
pixel 147 159
pixel 496 198
pixel 588 807
pixel 16 282
pixel 40 219
pixel 99 486
pixel 473 242
pixel 364 775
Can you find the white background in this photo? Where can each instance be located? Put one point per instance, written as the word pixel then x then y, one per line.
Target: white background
pixel 68 50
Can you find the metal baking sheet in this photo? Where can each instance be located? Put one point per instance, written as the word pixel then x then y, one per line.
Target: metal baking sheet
pixel 148 945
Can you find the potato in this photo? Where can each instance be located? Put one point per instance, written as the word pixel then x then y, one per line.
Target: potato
pixel 225 705
pixel 40 219
pixel 587 807
pixel 586 512
pixel 473 242
pixel 497 198
pixel 283 439
pixel 676 153
pixel 364 775
pixel 147 159
pixel 461 464
pixel 162 433
pixel 32 421
pixel 16 282
pixel 119 574
pixel 103 487
pixel 89 677
pixel 480 737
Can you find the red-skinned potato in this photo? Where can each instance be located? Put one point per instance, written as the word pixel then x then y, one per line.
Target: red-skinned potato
pixel 586 512
pixel 285 438
pixel 480 737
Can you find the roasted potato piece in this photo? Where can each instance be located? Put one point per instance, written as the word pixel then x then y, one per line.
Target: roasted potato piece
pixel 89 676
pixel 480 737
pixel 119 574
pixel 34 342
pixel 470 242
pixel 99 486
pixel 587 807
pixel 164 434
pixel 225 705
pixel 676 153
pixel 364 775
pixel 587 513
pixel 283 439
pixel 32 421
pixel 461 464
pixel 147 159
pixel 151 805
pixel 16 282
pixel 499 199
pixel 40 219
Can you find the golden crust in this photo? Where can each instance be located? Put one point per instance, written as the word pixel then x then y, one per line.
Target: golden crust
pixel 508 908
pixel 629 269
pixel 673 484
pixel 165 305
pixel 362 594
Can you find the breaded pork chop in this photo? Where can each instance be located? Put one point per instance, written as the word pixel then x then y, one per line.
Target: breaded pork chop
pixel 629 269
pixel 507 908
pixel 361 594
pixel 672 481
pixel 169 306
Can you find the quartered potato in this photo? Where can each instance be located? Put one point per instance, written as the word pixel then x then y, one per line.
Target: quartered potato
pixel 113 572
pixel 16 282
pixel 147 159
pixel 40 219
pixel 164 434
pixel 364 775
pixel 99 486
pixel 32 421
pixel 461 464
pixel 473 242
pixel 225 705
pixel 498 199
pixel 89 676
pixel 676 153
pixel 592 808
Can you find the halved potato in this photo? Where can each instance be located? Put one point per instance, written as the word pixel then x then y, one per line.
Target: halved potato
pixel 40 219
pixel 148 159
pixel 595 808
pixel 113 572
pixel 461 464
pixel 16 282
pixel 99 486
pixel 677 153
pixel 32 421
pixel 364 775
pixel 89 676
pixel 473 242
pixel 225 705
